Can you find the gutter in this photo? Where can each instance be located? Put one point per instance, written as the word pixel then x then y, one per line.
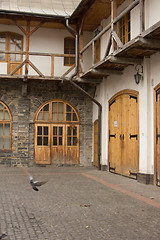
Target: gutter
pixel 86 93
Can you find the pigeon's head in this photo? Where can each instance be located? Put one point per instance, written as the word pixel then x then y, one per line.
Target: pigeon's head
pixel 31 178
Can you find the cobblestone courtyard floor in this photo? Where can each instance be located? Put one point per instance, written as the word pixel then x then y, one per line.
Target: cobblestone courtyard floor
pixel 77 203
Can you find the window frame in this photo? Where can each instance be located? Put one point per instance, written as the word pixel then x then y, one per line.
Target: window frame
pixel 3 122
pixel 69 59
pixel 8 46
pixel 125 28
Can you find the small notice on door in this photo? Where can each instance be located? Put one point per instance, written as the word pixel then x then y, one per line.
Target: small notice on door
pixel 115 124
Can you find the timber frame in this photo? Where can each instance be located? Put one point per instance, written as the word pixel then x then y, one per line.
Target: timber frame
pixel 122 55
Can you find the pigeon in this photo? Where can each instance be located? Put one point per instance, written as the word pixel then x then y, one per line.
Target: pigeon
pixel 36 184
pixel 3 236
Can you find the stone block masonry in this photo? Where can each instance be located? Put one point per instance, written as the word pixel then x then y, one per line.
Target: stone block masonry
pixel 23 108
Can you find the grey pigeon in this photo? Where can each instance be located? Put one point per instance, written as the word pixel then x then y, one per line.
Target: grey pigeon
pixel 3 236
pixel 36 184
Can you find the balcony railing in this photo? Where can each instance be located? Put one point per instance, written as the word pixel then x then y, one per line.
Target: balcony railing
pixel 28 63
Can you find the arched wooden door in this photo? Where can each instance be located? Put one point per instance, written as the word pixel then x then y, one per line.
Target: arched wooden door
pixel 124 133
pixel 157 136
pixel 95 149
pixel 57 134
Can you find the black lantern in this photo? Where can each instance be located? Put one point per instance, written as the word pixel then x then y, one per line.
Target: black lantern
pixel 138 76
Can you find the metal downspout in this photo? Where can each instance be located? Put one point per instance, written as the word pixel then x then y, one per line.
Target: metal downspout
pixel 86 93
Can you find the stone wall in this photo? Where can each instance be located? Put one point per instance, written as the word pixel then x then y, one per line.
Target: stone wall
pixel 23 106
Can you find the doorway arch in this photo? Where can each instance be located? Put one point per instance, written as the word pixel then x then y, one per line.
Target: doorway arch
pixel 124 133
pixel 56 138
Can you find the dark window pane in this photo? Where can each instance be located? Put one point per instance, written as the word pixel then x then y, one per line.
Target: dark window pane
pixel 69 131
pixel 72 60
pixel 39 141
pixel 75 131
pixel 68 108
pixel 54 130
pixel 45 141
pixel 68 116
pixel 46 108
pixel 45 130
pixel 74 117
pixel 55 141
pixel 66 60
pixel 39 130
pixel 68 141
pixel 60 141
pixel 60 131
pixel 74 141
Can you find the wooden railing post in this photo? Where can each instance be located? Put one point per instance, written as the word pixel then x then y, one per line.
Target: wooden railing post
pixel 141 16
pixel 27 46
pixel 113 16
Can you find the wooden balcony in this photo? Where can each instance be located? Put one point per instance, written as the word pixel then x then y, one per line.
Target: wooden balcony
pixel 122 55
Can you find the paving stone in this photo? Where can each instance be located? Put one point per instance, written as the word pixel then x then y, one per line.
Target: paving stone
pixel 77 203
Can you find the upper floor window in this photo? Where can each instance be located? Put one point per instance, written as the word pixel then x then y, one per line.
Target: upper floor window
pixel 5 127
pixel 125 29
pixel 69 48
pixel 11 42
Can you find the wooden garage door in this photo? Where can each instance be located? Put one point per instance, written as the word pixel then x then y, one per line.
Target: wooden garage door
pixel 123 134
pixel 57 134
pixel 157 142
pixel 95 156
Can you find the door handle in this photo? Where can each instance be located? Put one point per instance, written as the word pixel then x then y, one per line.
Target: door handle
pixel 121 136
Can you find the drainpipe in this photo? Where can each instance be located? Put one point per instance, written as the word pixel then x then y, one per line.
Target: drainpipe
pixel 86 93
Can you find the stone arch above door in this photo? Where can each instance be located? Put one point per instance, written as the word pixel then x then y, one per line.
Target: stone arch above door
pixel 124 133
pixel 57 133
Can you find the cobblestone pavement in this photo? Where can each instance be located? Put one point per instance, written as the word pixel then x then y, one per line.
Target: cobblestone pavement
pixel 77 203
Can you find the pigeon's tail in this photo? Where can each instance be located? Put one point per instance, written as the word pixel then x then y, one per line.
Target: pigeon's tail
pixel 3 236
pixel 35 189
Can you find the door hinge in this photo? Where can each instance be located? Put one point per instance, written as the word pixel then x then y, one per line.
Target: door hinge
pixel 157 135
pixel 111 135
pixel 133 173
pixel 134 97
pixel 133 136
pixel 111 168
pixel 111 103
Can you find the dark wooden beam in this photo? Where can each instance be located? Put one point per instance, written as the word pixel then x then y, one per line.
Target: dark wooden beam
pixel 125 60
pixel 149 43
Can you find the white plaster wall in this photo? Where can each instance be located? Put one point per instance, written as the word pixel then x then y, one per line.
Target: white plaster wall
pixel 152 15
pixel 46 40
pixel 114 84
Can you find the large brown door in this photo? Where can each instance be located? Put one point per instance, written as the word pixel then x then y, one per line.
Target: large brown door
pixel 57 138
pixel 123 134
pixel 157 163
pixel 95 156
pixel 42 144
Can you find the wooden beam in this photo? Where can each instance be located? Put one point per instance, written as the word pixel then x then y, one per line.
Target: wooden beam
pixel 104 72
pixel 36 69
pixel 27 46
pixel 113 16
pixel 149 43
pixel 141 16
pixel 117 40
pixel 125 11
pixel 69 70
pixel 125 60
pixel 109 42
pixel 37 27
pixel 18 67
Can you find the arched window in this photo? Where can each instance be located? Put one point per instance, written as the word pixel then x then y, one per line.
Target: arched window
pixel 57 111
pixel 11 42
pixel 5 127
pixel 69 48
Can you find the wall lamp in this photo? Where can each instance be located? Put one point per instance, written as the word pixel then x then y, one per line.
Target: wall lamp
pixel 138 76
